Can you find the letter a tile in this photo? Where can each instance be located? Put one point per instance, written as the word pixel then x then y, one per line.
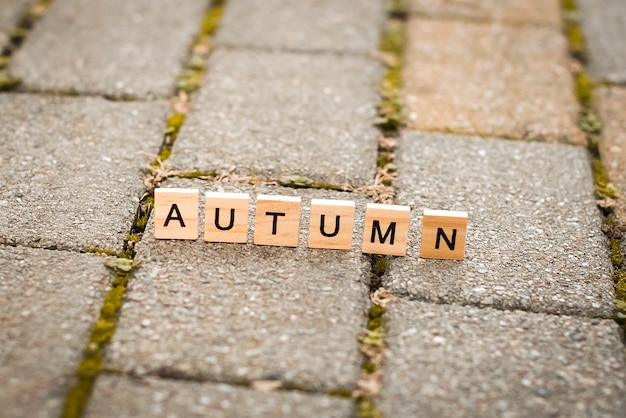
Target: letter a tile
pixel 386 229
pixel 331 224
pixel 277 220
pixel 176 213
pixel 226 217
pixel 443 234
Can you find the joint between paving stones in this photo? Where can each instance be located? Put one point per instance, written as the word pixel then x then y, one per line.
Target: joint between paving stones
pixel 16 36
pixel 592 125
pixel 389 120
pixel 102 331
pixel 267 385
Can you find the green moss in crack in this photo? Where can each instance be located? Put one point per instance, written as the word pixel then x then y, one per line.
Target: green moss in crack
pixel 367 408
pixel 590 122
pixel 174 123
pixel 620 284
pixel 368 367
pixel 379 265
pixel 96 250
pixel 212 17
pixel 575 38
pixel 604 188
pixel 584 88
pixel 341 393
pixel 198 174
pixel 7 81
pixel 616 253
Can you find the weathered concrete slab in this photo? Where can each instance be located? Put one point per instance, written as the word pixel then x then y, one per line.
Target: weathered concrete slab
pixel 312 25
pixel 604 25
pixel 490 80
pixel 459 361
pixel 10 13
pixel 611 105
pixel 116 48
pixel 534 240
pixel 242 312
pixel 50 299
pixel 543 12
pixel 275 113
pixel 127 397
pixel 70 168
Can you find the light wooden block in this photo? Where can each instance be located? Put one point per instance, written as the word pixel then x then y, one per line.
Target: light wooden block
pixel 277 220
pixel 226 217
pixel 443 234
pixel 331 224
pixel 386 229
pixel 176 213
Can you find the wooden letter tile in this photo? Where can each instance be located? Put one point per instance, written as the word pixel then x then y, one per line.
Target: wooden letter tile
pixel 277 220
pixel 443 234
pixel 176 213
pixel 331 224
pixel 226 217
pixel 386 229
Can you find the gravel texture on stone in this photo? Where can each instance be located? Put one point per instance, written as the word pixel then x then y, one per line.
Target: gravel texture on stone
pixel 275 113
pixel 490 79
pixel 310 25
pixel 115 48
pixel 604 26
pixel 124 397
pixel 241 312
pixel 534 240
pixel 50 300
pixel 537 12
pixel 610 103
pixel 459 361
pixel 70 168
pixel 10 13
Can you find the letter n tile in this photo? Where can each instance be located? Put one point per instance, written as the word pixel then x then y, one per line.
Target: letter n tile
pixel 443 234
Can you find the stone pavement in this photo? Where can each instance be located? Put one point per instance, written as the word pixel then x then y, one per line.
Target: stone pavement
pixel 526 325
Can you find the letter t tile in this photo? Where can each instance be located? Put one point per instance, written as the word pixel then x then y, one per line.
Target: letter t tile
pixel 277 220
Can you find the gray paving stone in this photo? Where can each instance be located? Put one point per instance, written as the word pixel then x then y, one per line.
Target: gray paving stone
pixel 534 240
pixel 10 12
pixel 50 299
pixel 276 113
pixel 455 361
pixel 241 312
pixel 127 397
pixel 604 26
pixel 312 25
pixel 70 168
pixel 117 48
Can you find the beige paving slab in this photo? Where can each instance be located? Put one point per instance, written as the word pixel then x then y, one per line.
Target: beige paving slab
pixel 611 105
pixel 457 361
pixel 545 12
pixel 242 312
pixel 123 397
pixel 489 79
pixel 50 299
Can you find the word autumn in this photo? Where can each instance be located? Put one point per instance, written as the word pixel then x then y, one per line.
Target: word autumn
pixel 277 222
